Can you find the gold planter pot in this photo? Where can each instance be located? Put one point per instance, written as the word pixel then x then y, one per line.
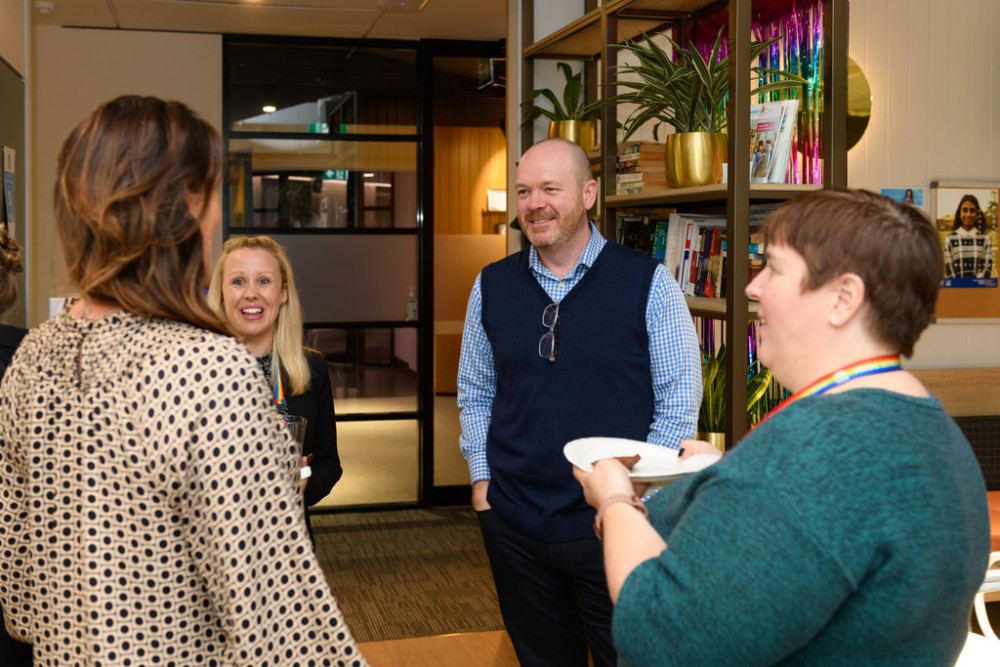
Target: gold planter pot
pixel 695 158
pixel 580 132
pixel 717 440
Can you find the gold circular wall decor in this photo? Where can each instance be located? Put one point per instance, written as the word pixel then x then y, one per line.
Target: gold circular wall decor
pixel 859 103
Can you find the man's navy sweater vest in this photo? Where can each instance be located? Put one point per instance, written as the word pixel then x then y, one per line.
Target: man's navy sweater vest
pixel 599 385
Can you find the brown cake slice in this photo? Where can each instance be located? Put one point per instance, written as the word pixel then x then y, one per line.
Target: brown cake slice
pixel 627 461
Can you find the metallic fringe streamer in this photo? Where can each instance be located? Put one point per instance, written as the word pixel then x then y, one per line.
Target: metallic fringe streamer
pixel 799 24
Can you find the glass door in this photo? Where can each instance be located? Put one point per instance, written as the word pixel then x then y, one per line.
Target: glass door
pixel 466 119
pixel 323 144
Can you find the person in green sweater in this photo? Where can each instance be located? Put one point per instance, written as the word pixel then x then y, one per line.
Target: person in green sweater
pixel 850 526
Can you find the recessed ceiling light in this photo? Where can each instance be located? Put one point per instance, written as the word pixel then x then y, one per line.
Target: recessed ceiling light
pixel 369 175
pixel 269 108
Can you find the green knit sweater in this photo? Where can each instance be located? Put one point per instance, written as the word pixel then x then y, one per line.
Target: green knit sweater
pixel 850 529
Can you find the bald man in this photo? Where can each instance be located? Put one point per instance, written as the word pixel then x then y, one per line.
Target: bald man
pixel 573 337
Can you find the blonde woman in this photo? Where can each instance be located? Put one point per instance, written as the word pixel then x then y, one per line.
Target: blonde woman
pixel 253 289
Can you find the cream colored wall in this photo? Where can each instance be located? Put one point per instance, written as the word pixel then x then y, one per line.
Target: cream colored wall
pixel 74 70
pixel 933 68
pixel 12 20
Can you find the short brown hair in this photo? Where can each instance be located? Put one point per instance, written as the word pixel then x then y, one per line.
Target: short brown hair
pixel 128 234
pixel 893 247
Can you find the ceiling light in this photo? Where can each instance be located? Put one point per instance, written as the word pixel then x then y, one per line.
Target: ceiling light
pixel 269 108
pixel 369 175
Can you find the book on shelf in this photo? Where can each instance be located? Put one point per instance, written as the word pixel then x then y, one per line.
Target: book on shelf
pixel 629 189
pixel 709 280
pixel 636 183
pixel 686 248
pixel 634 232
pixel 655 162
pixel 772 131
pixel 642 147
pixel 644 231
pixel 640 166
pixel 783 146
pixel 765 120
pixel 659 249
pixel 760 211
pixel 696 253
pixel 629 177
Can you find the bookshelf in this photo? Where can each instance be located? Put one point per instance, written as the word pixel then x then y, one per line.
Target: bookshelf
pixel 587 38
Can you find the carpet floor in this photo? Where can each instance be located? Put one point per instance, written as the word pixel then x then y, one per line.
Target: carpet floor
pixel 408 573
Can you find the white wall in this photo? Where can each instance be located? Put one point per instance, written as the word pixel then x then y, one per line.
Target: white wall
pixel 74 70
pixel 12 22
pixel 934 70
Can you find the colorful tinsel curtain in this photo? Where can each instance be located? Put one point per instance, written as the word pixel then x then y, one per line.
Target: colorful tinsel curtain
pixel 800 50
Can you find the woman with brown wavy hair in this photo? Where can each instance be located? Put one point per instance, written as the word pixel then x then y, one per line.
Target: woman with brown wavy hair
pixel 148 491
pixel 15 653
pixel 10 265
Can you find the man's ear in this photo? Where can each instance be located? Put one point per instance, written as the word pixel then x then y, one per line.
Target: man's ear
pixel 848 298
pixel 589 194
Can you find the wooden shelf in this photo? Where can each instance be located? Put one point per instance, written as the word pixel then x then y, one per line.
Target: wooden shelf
pixel 715 308
pixel 706 193
pixel 675 6
pixel 588 37
pixel 583 39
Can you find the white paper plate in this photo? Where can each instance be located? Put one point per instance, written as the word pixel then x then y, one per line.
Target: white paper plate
pixel 656 463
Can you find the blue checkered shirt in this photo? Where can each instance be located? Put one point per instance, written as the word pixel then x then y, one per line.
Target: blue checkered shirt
pixel 675 361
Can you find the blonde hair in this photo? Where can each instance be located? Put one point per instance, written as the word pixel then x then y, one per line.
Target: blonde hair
pixel 286 346
pixel 128 235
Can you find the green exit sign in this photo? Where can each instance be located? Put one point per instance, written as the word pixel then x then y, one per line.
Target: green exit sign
pixel 335 175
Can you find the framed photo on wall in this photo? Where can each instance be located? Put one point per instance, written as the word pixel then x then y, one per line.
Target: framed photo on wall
pixel 911 196
pixel 965 215
pixel 966 219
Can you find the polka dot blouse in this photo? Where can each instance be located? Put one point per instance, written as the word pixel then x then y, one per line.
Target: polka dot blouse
pixel 149 505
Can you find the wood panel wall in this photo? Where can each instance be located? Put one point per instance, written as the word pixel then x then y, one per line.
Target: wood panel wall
pixel 467 162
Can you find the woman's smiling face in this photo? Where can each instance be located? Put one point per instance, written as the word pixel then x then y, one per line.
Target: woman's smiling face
pixel 968 213
pixel 791 316
pixel 252 293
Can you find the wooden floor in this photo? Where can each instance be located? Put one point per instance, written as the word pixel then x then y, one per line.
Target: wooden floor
pixel 476 649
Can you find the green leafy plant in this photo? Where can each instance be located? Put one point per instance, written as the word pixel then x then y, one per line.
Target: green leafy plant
pixel 571 107
pixel 686 90
pixel 712 416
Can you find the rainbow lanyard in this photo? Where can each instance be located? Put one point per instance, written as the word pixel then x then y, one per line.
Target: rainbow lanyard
pixel 872 366
pixel 279 389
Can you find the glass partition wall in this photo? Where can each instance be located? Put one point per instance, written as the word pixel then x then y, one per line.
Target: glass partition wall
pixel 328 145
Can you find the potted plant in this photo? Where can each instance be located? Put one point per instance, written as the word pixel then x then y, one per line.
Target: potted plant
pixel 712 415
pixel 688 92
pixel 571 118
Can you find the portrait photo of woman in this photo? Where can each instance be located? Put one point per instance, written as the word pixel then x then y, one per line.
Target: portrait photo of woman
pixel 968 236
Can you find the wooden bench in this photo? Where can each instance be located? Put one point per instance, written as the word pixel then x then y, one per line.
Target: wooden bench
pixel 993 498
pixel 964 392
pixel 972 397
